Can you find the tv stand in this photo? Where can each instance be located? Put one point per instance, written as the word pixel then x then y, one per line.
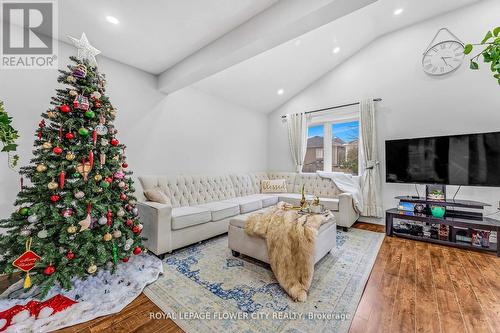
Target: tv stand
pixel 463 225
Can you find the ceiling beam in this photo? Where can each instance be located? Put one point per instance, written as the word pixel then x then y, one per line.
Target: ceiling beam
pixel 285 20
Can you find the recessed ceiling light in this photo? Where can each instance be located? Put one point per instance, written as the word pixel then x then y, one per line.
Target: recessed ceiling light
pixel 336 50
pixel 280 92
pixel 398 11
pixel 112 19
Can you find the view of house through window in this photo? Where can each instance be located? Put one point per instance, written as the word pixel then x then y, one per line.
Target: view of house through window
pixel 344 142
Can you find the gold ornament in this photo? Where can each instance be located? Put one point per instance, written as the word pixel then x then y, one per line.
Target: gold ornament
pixel 73 93
pixel 92 269
pixel 107 237
pixel 52 185
pixel 71 79
pixel 116 157
pixel 120 213
pixel 70 156
pixel 47 145
pixel 41 167
pixel 71 229
pixel 98 178
pixel 51 114
pixel 84 169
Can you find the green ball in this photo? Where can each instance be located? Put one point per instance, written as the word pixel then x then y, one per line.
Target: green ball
pixel 104 184
pixel 83 131
pixel 24 211
pixel 90 114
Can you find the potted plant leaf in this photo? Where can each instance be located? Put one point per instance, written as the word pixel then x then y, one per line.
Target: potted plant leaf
pixel 8 137
pixel 490 52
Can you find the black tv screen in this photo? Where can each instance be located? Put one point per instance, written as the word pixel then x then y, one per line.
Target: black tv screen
pixel 471 159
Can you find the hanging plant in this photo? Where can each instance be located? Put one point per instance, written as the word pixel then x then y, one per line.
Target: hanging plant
pixel 8 136
pixel 490 53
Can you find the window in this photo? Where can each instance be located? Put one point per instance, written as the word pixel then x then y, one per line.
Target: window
pixel 342 137
pixel 314 154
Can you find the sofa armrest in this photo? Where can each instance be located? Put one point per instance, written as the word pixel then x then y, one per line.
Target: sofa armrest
pixel 157 221
pixel 347 215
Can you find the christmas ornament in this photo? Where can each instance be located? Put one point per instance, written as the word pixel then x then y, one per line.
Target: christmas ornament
pixel 81 102
pixel 42 234
pixel 51 114
pixel 57 150
pixel 102 220
pixel 125 259
pixel 62 178
pixel 26 262
pixel 83 131
pixel 104 184
pixel 98 178
pixel 84 169
pixel 73 93
pixel 92 269
pixel 32 219
pixel 71 229
pixel 85 50
pixel 85 223
pixel 117 234
pixel 25 231
pixel 80 71
pixel 104 142
pixel 123 196
pixel 47 145
pixel 120 213
pixel 129 223
pixel 114 142
pixel 115 254
pixel 119 174
pixel 109 217
pixel 79 195
pixel 95 95
pixel 49 270
pixel 121 184
pixel 70 255
pixel 24 211
pixel 136 230
pixel 91 158
pixel 102 159
pixel 76 175
pixel 107 237
pixel 54 198
pixel 70 156
pixel 67 212
pixel 94 138
pixel 101 130
pixel 52 185
pixel 137 250
pixel 41 168
pixel 71 79
pixel 41 124
pixel 64 108
pixel 124 165
pixel 97 104
pixel 69 136
pixel 90 114
pixel 135 211
pixel 132 202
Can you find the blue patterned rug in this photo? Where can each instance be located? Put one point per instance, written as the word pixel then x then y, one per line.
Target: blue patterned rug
pixel 205 289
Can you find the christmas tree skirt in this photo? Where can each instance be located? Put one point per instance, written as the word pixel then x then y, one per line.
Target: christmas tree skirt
pixel 99 295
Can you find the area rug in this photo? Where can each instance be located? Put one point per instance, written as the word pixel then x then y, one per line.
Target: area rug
pixel 205 289
pixel 99 295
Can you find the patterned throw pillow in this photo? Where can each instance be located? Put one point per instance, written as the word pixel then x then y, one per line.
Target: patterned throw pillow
pixel 273 186
pixel 157 195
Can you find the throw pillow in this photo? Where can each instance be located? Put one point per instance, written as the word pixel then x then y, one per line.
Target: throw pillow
pixel 273 186
pixel 156 195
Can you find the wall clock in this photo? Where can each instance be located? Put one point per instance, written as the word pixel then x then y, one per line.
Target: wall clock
pixel 443 57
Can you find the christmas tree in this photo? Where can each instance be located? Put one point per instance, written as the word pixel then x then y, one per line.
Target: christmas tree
pixel 78 214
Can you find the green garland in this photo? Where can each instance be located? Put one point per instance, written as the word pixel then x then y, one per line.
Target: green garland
pixel 491 52
pixel 8 136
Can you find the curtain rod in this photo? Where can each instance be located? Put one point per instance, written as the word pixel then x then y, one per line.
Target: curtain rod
pixel 336 107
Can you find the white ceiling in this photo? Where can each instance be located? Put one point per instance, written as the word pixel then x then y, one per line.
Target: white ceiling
pixel 154 35
pixel 294 65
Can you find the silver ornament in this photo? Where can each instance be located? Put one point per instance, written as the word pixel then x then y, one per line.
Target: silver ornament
pixel 25 231
pixel 117 234
pixel 101 130
pixel 120 213
pixel 42 234
pixel 104 142
pixel 132 202
pixel 127 247
pixel 79 195
pixel 129 241
pixel 32 219
pixel 135 211
pixel 103 220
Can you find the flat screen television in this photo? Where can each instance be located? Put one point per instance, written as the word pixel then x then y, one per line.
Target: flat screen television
pixel 469 160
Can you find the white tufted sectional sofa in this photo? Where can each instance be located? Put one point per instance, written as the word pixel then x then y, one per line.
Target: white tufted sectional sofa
pixel 200 207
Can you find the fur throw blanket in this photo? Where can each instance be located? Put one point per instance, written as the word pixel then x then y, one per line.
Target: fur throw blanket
pixel 290 239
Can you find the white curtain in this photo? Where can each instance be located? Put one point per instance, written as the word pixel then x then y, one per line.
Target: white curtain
pixel 370 186
pixel 297 138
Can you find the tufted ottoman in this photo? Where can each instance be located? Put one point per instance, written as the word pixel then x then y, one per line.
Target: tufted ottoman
pixel 256 247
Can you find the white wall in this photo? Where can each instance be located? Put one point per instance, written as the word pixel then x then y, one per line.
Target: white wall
pixel 185 132
pixel 414 104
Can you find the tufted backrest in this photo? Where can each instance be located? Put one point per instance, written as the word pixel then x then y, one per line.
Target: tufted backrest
pixel 243 184
pixel 288 176
pixel 191 190
pixel 256 178
pixel 316 185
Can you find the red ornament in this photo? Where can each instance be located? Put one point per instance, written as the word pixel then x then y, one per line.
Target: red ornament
pixel 91 158
pixel 114 142
pixel 57 150
pixel 125 259
pixel 109 217
pixel 137 250
pixel 70 136
pixel 130 223
pixel 42 124
pixel 65 108
pixel 70 255
pixel 124 165
pixel 108 180
pixel 97 104
pixel 55 198
pixel 49 270
pixel 123 196
pixel 62 178
pixel 136 230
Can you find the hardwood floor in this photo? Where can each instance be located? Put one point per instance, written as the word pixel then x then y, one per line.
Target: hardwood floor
pixel 413 287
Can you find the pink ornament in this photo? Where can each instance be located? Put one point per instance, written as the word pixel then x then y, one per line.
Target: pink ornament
pixel 119 174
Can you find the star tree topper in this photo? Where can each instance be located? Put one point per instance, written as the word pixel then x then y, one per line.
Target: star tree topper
pixel 85 50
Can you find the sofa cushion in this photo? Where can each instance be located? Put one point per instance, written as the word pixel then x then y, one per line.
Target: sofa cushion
pixel 183 217
pixel 267 199
pixel 330 203
pixel 221 210
pixel 247 204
